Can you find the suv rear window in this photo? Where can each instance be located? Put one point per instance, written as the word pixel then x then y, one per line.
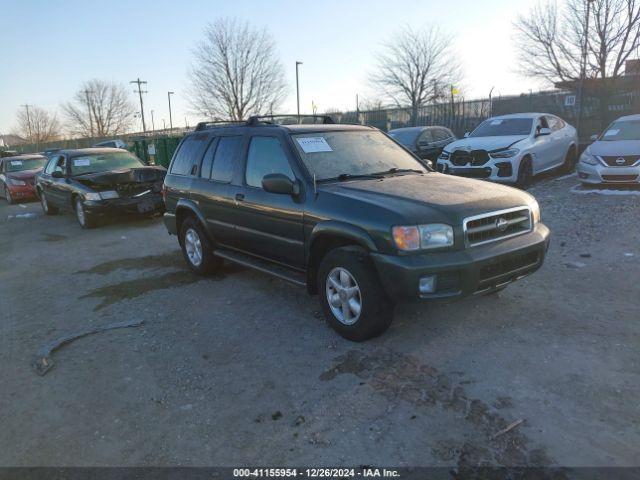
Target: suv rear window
pixel 223 154
pixel 188 154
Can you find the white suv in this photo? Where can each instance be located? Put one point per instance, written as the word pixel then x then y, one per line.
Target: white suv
pixel 512 148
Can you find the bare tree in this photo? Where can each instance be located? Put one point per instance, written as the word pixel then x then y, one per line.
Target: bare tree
pixel 236 72
pixel 100 109
pixel 415 66
pixel 551 41
pixel 37 125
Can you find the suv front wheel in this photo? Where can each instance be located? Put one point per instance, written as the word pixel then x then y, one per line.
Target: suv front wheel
pixel 197 249
pixel 351 296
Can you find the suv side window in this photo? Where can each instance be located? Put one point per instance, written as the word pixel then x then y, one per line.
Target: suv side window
pixel 425 137
pixel 265 156
pixel 50 166
pixel 226 157
pixel 189 154
pixel 440 134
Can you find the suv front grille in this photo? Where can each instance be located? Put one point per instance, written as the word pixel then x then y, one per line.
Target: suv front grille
pixel 494 226
pixel 475 158
pixel 507 270
pixel 629 160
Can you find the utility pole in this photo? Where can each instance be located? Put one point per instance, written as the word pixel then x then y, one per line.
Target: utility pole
pixel 357 109
pixel 298 89
pixel 153 124
pixel 26 107
pixel 86 95
pixel 583 68
pixel 170 119
pixel 140 92
pixel 164 125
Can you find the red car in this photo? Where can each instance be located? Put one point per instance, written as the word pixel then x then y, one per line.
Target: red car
pixel 17 176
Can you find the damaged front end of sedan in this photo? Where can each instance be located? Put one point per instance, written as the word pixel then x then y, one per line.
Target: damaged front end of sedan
pixel 134 190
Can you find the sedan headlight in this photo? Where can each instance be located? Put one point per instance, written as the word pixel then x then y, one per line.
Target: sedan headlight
pixel 587 158
pixel 106 195
pixel 510 152
pixel 423 237
pixel 444 155
pixel 15 182
pixel 92 196
pixel 535 210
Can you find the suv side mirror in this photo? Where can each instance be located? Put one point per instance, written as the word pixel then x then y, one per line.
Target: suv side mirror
pixel 57 174
pixel 593 137
pixel 278 183
pixel 543 131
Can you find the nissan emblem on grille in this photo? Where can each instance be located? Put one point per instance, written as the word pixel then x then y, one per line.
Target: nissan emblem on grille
pixel 502 224
pixel 620 161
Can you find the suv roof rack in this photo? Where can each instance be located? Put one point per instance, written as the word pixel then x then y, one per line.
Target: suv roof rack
pixel 218 123
pixel 298 119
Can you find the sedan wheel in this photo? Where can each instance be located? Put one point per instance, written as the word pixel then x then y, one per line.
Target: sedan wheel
pixel 7 195
pixel 344 296
pixel 43 202
pixel 84 219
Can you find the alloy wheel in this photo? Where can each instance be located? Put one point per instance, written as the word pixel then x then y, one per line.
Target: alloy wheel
pixel 43 202
pixel 193 247
pixel 80 213
pixel 344 296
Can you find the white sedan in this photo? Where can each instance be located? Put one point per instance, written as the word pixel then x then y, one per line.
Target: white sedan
pixel 512 148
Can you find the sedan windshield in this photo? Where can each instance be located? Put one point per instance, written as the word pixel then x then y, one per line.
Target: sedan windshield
pixel 19 165
pixel 344 154
pixel 500 127
pixel 622 131
pixel 103 162
pixel 406 137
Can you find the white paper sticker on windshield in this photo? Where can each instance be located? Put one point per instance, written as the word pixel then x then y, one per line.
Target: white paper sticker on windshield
pixel 314 144
pixel 496 122
pixel 16 163
pixel 613 131
pixel 81 162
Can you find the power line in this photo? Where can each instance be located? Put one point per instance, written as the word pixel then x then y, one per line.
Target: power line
pixel 140 92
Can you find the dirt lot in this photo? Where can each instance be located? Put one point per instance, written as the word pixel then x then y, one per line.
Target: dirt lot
pixel 242 369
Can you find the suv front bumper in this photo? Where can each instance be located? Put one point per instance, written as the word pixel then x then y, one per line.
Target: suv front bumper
pixel 464 272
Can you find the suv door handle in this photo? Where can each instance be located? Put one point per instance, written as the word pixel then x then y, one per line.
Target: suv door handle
pixel 239 197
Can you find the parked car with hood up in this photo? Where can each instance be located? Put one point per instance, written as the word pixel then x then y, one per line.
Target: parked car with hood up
pixel 614 157
pixel 512 149
pixel 95 182
pixel 17 176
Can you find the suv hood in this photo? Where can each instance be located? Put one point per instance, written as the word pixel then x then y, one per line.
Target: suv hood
pixel 619 147
pixel 484 143
pixel 112 178
pixel 418 198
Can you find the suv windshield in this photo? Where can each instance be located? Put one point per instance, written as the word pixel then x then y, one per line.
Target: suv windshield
pixel 330 155
pixel 500 127
pixel 103 162
pixel 25 164
pixel 622 131
pixel 406 137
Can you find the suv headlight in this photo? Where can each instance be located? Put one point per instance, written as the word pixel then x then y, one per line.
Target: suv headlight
pixel 587 158
pixel 444 155
pixel 511 152
pixel 15 182
pixel 422 237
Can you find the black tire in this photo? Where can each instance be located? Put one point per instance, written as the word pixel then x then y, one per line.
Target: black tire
pixel 47 208
pixel 376 310
pixel 570 160
pixel 85 220
pixel 525 173
pixel 208 263
pixel 7 196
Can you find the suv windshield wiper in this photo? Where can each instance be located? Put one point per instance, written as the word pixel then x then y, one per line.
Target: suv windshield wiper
pixel 351 176
pixel 399 170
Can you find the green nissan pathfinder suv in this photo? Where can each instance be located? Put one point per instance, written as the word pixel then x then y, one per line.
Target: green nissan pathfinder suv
pixel 348 213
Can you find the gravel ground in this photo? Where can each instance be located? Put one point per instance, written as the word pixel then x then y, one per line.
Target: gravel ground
pixel 241 369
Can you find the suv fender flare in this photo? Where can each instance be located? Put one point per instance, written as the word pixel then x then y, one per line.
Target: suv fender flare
pixel 193 209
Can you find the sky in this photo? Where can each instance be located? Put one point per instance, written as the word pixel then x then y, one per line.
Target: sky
pixel 48 48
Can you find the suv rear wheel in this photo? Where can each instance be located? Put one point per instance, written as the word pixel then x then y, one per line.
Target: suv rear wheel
pixel 351 295
pixel 197 248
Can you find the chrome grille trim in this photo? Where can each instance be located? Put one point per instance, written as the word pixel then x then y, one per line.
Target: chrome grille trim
pixel 526 220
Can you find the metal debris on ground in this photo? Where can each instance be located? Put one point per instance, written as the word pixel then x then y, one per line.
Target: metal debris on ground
pixel 509 427
pixel 43 362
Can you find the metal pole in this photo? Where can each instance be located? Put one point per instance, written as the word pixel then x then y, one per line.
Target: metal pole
pixel 298 89
pixel 170 119
pixel 357 108
pixel 153 124
pixel 583 68
pixel 140 92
